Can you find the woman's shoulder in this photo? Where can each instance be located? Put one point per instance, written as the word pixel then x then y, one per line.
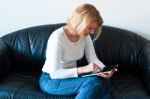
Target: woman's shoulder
pixel 57 34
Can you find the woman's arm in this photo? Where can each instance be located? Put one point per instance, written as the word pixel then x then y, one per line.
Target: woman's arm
pixel 88 68
pixel 90 53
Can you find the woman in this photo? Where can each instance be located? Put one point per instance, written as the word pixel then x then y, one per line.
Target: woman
pixel 66 45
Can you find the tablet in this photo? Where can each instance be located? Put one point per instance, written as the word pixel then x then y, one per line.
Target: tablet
pixel 107 69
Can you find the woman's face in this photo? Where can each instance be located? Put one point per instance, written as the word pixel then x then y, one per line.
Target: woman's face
pixel 90 29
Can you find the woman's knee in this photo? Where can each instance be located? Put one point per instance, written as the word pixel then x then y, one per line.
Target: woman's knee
pixel 43 81
pixel 90 87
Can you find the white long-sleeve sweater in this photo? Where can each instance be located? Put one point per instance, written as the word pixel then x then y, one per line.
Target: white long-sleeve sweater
pixel 62 54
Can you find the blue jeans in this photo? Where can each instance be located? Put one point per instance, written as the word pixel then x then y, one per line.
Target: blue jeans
pixel 83 87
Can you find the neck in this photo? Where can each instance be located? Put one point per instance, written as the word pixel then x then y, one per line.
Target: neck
pixel 69 30
pixel 73 37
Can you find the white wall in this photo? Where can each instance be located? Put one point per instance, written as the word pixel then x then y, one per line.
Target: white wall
pixel 132 15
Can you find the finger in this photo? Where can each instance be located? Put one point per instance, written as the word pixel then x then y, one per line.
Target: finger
pixel 103 75
pixel 96 69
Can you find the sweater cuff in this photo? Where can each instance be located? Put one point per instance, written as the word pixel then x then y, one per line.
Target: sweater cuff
pixel 75 72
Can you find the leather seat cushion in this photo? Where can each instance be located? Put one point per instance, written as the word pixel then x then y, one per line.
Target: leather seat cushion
pixel 128 86
pixel 19 85
pixel 24 86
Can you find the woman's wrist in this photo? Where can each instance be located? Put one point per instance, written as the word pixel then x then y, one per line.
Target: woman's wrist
pixel 81 70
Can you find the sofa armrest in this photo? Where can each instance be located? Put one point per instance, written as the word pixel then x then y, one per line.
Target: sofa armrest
pixel 144 65
pixel 4 59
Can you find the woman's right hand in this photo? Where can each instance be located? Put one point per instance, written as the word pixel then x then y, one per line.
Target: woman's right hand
pixel 92 67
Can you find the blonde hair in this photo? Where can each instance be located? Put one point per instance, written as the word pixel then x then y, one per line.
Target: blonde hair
pixel 82 16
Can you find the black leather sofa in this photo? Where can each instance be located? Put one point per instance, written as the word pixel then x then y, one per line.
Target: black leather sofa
pixel 22 55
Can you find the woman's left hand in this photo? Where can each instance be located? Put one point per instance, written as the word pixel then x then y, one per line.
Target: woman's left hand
pixel 106 75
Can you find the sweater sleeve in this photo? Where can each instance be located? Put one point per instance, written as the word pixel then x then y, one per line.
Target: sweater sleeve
pixel 53 58
pixel 90 53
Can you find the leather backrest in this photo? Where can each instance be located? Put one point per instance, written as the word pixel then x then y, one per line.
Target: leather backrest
pixel 119 46
pixel 4 59
pixel 28 46
pixel 114 46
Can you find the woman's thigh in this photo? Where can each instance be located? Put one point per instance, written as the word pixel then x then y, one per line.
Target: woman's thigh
pixel 68 86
